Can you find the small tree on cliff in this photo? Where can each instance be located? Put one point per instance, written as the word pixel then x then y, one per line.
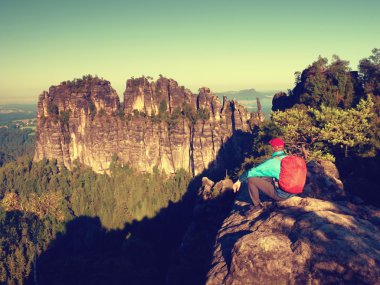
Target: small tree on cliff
pixel 163 106
pixel 203 114
pixel 189 112
pixel 314 132
pixel 346 128
pixel 301 133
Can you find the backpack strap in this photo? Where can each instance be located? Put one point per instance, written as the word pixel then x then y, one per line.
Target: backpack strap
pixel 275 181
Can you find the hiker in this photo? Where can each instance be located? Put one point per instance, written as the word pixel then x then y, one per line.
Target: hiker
pixel 265 176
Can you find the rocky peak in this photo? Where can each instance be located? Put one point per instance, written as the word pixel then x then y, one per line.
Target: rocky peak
pixel 88 94
pixel 208 100
pixel 147 96
pixel 160 124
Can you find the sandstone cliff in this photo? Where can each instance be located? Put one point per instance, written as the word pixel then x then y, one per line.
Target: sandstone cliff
pixel 161 124
pixel 323 237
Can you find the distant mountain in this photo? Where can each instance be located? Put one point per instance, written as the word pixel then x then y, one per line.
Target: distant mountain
pixel 247 98
pixel 10 112
pixel 18 108
pixel 246 93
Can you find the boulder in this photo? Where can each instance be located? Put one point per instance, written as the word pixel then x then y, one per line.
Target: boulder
pixel 318 238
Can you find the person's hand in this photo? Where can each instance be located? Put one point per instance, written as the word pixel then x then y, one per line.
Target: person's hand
pixel 236 186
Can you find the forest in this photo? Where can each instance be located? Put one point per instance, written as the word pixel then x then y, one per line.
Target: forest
pixel 62 227
pixel 15 143
pixel 39 201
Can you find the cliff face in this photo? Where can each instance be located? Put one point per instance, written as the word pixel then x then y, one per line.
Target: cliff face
pixel 324 236
pixel 160 125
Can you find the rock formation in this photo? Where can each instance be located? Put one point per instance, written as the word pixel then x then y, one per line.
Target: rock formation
pixel 325 236
pixel 161 125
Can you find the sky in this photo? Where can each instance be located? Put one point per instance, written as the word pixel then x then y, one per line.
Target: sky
pixel 224 45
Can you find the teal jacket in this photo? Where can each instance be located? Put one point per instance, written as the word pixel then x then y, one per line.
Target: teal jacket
pixel 269 168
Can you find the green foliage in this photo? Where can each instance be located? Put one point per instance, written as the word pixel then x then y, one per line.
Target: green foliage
pixel 121 114
pixel 64 117
pixel 299 129
pixel 262 135
pixel 52 109
pixel 332 85
pixel 92 108
pixel 188 112
pixel 23 235
pixel 370 70
pixel 203 114
pixel 173 119
pixel 4 158
pixel 77 83
pixel 27 188
pixel 15 143
pixel 163 106
pixel 346 128
pixel 116 199
pixel 163 114
pixel 313 132
pixel 102 112
pixel 177 112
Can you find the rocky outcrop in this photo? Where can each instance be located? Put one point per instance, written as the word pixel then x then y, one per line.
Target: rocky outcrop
pixel 302 240
pixel 161 125
pixel 146 96
pixel 324 236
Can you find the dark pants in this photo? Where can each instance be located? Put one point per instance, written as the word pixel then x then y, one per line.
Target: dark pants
pixel 265 185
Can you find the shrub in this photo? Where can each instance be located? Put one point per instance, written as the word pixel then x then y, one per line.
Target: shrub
pixel 203 114
pixel 121 113
pixel 102 112
pixel 64 117
pixel 189 113
pixel 92 108
pixel 52 109
pixel 163 106
pixel 314 132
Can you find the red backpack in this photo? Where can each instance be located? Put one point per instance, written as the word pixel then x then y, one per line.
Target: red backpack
pixel 292 174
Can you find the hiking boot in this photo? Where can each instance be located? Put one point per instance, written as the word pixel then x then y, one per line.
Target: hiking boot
pixel 253 210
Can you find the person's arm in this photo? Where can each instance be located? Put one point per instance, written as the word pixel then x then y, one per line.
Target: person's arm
pixel 241 179
pixel 236 186
pixel 269 168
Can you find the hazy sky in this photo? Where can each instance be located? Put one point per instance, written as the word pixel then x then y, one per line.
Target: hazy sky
pixel 225 45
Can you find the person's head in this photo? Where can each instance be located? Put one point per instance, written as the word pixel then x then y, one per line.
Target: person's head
pixel 277 144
